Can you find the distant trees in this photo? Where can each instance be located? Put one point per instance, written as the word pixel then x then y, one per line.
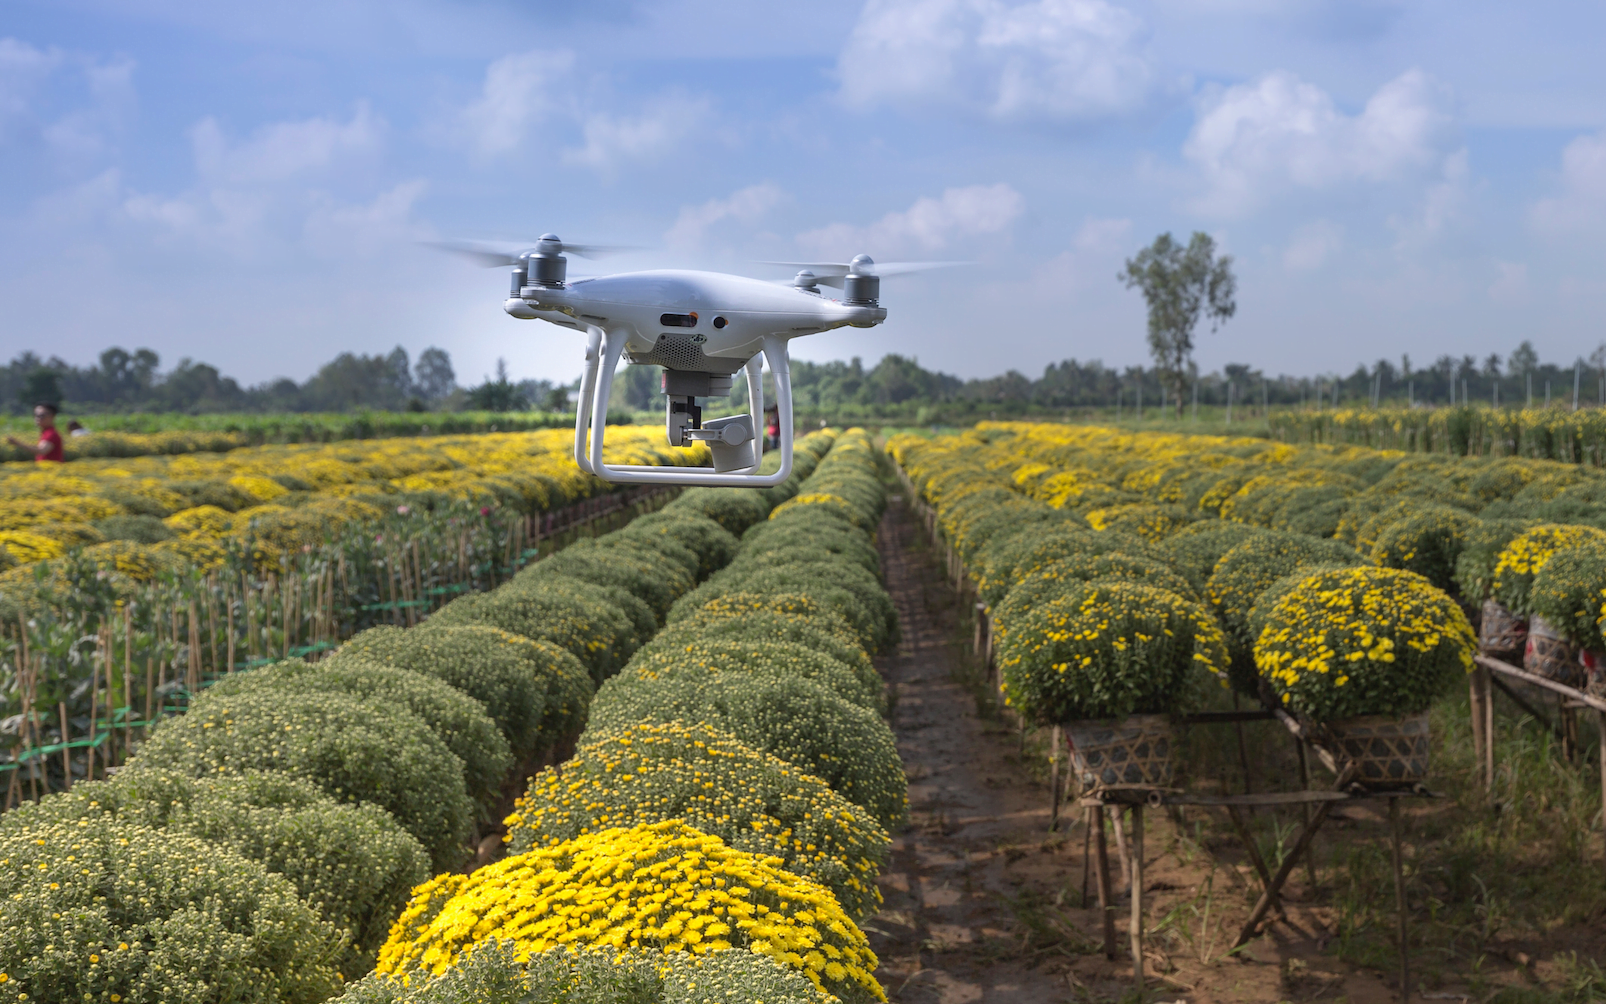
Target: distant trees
pixel 500 394
pixel 1181 285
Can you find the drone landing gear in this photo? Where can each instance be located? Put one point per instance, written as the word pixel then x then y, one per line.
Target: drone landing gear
pixel 733 441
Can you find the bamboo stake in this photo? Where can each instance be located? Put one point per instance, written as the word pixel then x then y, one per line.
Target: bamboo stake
pixel 194 624
pixel 150 692
pixel 1102 874
pixel 128 675
pixel 66 737
pixel 1137 898
pixel 1399 900
pixel 228 613
pixel 211 622
pixel 94 707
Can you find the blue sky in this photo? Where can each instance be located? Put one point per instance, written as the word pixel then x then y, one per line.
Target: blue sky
pixel 249 184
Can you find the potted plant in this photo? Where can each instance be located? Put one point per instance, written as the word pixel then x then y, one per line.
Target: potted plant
pixel 1501 633
pixel 1566 598
pixel 1547 652
pixel 1363 652
pixel 1110 661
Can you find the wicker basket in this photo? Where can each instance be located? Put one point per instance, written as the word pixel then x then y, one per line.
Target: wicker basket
pixel 1501 633
pixel 1135 750
pixel 1551 656
pixel 1389 752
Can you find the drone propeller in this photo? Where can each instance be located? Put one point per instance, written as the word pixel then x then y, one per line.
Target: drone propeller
pixel 506 254
pixel 831 273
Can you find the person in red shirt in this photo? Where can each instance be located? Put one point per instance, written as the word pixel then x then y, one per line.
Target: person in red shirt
pixel 49 446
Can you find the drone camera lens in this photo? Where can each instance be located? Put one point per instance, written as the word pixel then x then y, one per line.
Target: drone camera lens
pixel 678 320
pixel 719 322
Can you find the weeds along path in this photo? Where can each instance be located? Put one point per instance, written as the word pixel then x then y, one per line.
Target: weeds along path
pixel 984 904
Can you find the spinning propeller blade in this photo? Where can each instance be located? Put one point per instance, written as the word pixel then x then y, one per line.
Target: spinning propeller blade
pixel 831 272
pixel 506 254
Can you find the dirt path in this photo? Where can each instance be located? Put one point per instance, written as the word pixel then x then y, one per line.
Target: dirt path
pixel 983 903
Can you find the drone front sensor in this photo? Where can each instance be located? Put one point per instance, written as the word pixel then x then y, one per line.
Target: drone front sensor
pixel 703 328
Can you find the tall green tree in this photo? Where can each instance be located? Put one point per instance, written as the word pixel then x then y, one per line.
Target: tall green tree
pixel 1181 285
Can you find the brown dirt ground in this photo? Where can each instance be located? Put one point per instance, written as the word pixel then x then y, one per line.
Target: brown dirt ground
pixel 984 903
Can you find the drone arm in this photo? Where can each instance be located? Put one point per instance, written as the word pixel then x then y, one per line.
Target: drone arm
pixel 755 406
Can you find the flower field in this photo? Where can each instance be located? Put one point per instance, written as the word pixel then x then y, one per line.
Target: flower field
pixel 719 825
pixel 1124 572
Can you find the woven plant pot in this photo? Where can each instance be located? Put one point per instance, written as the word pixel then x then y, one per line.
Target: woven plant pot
pixel 1390 752
pixel 1135 750
pixel 1594 666
pixel 1551 656
pixel 1501 633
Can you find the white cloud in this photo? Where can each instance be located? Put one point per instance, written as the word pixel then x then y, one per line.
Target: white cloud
pixel 931 224
pixel 745 206
pixel 279 151
pixel 1254 141
pixel 1312 245
pixel 519 92
pixel 1056 60
pixel 70 104
pixel 1581 203
pixel 1511 285
pixel 23 69
pixel 665 124
pixel 335 228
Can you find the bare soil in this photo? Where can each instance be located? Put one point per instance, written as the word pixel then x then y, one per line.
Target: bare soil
pixel 984 903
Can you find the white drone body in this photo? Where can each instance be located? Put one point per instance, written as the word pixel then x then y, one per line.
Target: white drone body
pixel 702 328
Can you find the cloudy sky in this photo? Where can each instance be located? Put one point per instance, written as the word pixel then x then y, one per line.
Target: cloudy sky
pixel 249 184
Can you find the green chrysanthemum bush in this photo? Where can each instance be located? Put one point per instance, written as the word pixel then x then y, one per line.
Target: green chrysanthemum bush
pixel 1525 556
pixel 1480 552
pixel 108 910
pixel 1068 573
pixel 457 720
pixel 1010 559
pixel 578 617
pixel 1106 650
pixel 778 543
pixel 847 746
pixel 734 509
pixel 713 545
pixel 501 972
pixel 351 863
pixel 1244 572
pixel 1194 550
pixel 536 692
pixel 841 587
pixel 657 887
pixel 1568 592
pixel 1427 542
pixel 355 750
pixel 1364 641
pixel 1141 519
pixel 681 656
pixel 650 577
pixel 754 801
pixel 826 633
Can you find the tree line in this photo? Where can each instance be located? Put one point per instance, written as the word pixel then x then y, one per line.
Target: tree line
pixel 124 381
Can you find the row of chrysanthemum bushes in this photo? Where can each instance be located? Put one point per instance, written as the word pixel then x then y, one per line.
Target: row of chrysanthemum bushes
pixel 1123 574
pixel 261 847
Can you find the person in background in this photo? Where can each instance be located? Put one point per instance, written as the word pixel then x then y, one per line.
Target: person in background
pixel 76 428
pixel 49 446
pixel 772 427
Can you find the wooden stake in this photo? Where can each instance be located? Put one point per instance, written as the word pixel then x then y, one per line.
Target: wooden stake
pixel 1120 843
pixel 1399 900
pixel 128 675
pixel 1600 725
pixel 1475 705
pixel 66 754
pixel 1304 809
pixel 1054 780
pixel 94 706
pixel 1137 898
pixel 1253 850
pixel 1102 873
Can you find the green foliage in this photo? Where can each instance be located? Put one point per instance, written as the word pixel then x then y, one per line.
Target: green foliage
pixel 1428 542
pixel 576 616
pixel 138 529
pixel 1067 574
pixel 355 750
pixel 1194 550
pixel 753 801
pixel 1244 572
pixel 733 509
pixel 826 633
pixel 351 863
pixel 840 587
pixel 457 719
pixel 1011 558
pixel 95 908
pixel 1525 556
pixel 1568 592
pixel 1363 641
pixel 1180 284
pixel 647 575
pixel 796 719
pixel 494 973
pixel 684 655
pixel 1102 650
pixel 713 545
pixel 1480 551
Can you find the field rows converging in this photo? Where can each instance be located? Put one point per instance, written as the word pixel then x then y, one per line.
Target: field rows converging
pixel 721 778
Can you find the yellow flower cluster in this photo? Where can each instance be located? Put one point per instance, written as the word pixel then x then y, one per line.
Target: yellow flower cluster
pixel 1525 556
pixel 1363 641
pixel 289 495
pixel 661 886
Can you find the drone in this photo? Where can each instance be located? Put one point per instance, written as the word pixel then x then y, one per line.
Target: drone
pixel 703 328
